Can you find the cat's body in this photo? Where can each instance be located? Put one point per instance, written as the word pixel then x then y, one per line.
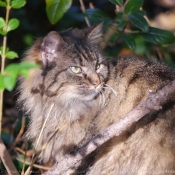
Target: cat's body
pixel 71 91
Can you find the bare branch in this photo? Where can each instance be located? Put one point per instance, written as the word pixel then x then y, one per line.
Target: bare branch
pixel 18 138
pixel 153 102
pixel 6 159
pixel 84 10
pixel 34 165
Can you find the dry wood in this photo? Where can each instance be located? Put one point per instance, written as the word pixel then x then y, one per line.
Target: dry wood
pixel 7 161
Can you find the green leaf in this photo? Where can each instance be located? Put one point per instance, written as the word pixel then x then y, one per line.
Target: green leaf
pixel 2 4
pixel 121 21
pixel 55 9
pixel 27 65
pixel 2 32
pixel 121 24
pixel 28 39
pixel 7 49
pixel 20 68
pixel 158 36
pixel 117 2
pixel 2 23
pixel 6 137
pixel 21 163
pixel 142 47
pixel 129 40
pixel 16 4
pixel 12 24
pixel 95 13
pixel 1 48
pixel 24 73
pixel 114 37
pixel 133 6
pixel 141 12
pixel 97 16
pixel 11 55
pixel 12 68
pixel 138 21
pixel 2 86
pixel 10 81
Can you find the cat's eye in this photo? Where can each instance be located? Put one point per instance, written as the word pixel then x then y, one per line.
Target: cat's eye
pixel 76 70
pixel 98 66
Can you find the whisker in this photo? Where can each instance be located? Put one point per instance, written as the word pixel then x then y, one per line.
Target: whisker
pixel 103 98
pixel 100 100
pixel 110 88
pixel 62 110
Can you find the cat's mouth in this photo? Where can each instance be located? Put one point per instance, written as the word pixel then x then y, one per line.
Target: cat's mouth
pixel 99 88
pixel 91 92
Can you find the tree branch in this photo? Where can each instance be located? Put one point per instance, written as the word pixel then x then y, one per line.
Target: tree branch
pixel 153 102
pixel 84 10
pixel 6 159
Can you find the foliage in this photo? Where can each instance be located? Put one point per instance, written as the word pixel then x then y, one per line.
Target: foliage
pixel 8 76
pixel 131 24
pixel 55 9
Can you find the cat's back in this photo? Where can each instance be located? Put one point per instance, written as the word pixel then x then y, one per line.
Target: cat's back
pixel 148 147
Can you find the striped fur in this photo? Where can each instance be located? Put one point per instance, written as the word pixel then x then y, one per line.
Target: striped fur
pixel 84 100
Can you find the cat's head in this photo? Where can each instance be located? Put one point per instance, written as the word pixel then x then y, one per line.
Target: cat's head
pixel 72 63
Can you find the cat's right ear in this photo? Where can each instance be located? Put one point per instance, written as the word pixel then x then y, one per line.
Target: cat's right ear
pixel 50 48
pixel 94 34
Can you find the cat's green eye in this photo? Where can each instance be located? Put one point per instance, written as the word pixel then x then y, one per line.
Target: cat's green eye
pixel 75 69
pixel 98 66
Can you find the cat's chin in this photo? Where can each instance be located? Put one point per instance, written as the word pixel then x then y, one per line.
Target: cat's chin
pixel 94 94
pixel 90 97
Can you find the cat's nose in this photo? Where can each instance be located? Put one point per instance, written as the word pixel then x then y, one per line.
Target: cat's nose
pixel 96 83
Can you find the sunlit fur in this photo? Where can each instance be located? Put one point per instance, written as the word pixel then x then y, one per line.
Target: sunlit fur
pixel 91 100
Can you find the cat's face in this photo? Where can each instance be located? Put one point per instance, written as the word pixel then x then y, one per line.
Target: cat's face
pixel 73 67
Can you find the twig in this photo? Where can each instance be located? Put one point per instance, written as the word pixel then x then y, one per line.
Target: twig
pixel 12 130
pixel 84 10
pixel 36 154
pixel 34 165
pixel 91 5
pixel 6 159
pixel 44 124
pixel 3 56
pixel 107 36
pixel 28 153
pixel 24 162
pixel 153 102
pixel 18 138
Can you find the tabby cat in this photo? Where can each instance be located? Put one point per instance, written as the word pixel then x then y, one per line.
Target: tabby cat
pixel 78 91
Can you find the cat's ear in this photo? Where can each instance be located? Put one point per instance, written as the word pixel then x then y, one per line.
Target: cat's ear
pixel 95 33
pixel 50 48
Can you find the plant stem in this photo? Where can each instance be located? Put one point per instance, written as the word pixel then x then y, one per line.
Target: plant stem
pixel 3 60
pixel 84 10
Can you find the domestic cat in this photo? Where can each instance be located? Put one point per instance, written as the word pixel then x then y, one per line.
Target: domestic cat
pixel 78 90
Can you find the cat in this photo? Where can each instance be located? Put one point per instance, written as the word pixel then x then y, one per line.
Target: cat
pixel 77 93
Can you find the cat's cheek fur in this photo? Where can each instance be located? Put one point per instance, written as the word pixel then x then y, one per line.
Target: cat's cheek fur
pixel 72 93
pixel 102 72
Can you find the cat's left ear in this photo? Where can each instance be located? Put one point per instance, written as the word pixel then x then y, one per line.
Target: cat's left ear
pixel 50 48
pixel 95 33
